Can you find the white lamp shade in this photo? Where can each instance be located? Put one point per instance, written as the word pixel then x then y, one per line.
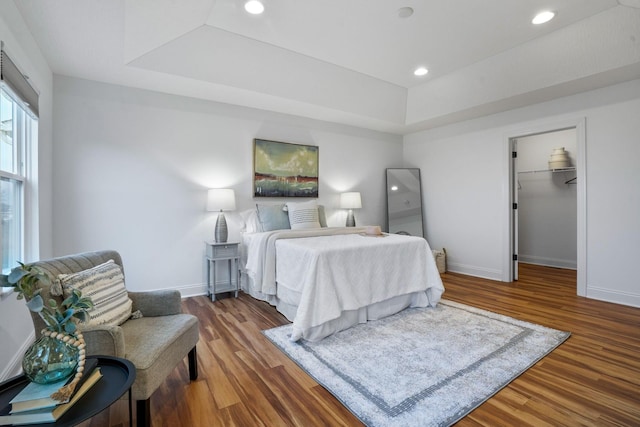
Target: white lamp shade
pixel 221 199
pixel 350 200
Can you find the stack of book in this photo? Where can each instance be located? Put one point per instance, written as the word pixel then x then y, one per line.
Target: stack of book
pixel 34 403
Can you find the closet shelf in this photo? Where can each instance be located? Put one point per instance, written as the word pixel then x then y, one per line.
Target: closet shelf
pixel 551 170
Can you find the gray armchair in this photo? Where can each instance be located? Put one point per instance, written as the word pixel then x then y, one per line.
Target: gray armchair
pixel 155 343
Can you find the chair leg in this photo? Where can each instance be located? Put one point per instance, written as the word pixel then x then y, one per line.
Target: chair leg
pixel 193 364
pixel 143 412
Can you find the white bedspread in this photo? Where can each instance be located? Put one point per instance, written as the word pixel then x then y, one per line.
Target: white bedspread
pixel 333 273
pixel 261 262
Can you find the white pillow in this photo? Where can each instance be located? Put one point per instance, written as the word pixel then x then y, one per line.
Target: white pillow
pixel 251 221
pixel 303 215
pixel 104 284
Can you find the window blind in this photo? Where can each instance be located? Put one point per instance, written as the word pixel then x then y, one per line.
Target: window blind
pixel 11 76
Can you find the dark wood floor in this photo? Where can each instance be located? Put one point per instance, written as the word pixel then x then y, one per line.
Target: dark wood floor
pixel 593 379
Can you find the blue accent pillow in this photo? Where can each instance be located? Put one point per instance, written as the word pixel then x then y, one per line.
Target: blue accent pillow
pixel 322 217
pixel 272 217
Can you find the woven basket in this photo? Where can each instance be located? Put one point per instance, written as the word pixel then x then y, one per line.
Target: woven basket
pixel 441 260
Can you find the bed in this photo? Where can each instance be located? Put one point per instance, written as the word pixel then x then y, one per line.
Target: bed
pixel 328 279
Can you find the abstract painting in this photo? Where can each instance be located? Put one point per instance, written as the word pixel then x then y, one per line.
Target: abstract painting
pixel 282 169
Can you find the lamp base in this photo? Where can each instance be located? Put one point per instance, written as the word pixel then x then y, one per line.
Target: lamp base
pixel 351 220
pixel 221 232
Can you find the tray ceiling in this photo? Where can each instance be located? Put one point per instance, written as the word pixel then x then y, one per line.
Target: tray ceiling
pixel 346 61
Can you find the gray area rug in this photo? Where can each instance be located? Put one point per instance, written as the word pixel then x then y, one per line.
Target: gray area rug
pixel 422 366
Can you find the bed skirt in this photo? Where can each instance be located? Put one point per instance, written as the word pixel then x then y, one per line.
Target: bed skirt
pixel 348 319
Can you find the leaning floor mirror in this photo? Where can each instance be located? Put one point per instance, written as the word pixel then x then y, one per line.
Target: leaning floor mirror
pixel 404 202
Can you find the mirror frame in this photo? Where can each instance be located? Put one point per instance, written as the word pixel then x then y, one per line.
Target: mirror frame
pixel 389 182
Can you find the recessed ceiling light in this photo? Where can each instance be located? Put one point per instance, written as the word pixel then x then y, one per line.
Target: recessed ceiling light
pixel 254 7
pixel 394 188
pixel 421 71
pixel 405 12
pixel 543 17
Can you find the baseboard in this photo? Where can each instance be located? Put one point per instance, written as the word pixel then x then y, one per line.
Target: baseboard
pixel 615 297
pixel 14 367
pixel 469 270
pixel 548 262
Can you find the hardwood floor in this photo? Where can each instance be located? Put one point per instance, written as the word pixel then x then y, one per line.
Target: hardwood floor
pixel 593 379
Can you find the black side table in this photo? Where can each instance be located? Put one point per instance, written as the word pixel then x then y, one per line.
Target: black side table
pixel 117 377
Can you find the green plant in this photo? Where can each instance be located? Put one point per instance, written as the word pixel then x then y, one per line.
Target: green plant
pixel 25 280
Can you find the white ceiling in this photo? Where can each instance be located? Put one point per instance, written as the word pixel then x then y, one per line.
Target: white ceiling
pixel 346 61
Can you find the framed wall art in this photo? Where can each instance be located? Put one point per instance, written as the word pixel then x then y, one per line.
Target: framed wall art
pixel 282 169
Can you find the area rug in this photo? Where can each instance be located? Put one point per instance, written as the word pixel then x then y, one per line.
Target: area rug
pixel 422 366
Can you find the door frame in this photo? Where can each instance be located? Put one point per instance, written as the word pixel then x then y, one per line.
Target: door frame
pixel 510 180
pixel 515 219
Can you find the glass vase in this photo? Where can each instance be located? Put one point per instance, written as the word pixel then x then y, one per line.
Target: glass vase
pixel 50 360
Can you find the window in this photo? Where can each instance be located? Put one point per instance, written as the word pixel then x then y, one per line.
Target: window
pixel 18 130
pixel 18 141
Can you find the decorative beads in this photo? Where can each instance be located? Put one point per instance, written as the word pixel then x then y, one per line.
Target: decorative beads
pixel 78 341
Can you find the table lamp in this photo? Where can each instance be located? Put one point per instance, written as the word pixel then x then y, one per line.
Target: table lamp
pixel 220 200
pixel 350 200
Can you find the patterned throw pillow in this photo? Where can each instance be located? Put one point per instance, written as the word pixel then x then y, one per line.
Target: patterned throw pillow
pixel 303 215
pixel 104 284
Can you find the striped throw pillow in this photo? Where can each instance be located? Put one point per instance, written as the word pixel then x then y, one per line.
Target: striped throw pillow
pixel 104 284
pixel 303 215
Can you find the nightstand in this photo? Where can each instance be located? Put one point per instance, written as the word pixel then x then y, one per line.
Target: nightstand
pixel 222 252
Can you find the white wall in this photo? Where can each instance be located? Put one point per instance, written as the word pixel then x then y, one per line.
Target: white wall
pixel 465 184
pixel 547 205
pixel 16 329
pixel 462 195
pixel 132 168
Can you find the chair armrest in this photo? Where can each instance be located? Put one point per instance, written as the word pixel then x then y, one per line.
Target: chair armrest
pixel 156 303
pixel 104 340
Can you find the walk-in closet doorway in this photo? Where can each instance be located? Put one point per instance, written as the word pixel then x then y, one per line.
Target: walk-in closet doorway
pixel 547 201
